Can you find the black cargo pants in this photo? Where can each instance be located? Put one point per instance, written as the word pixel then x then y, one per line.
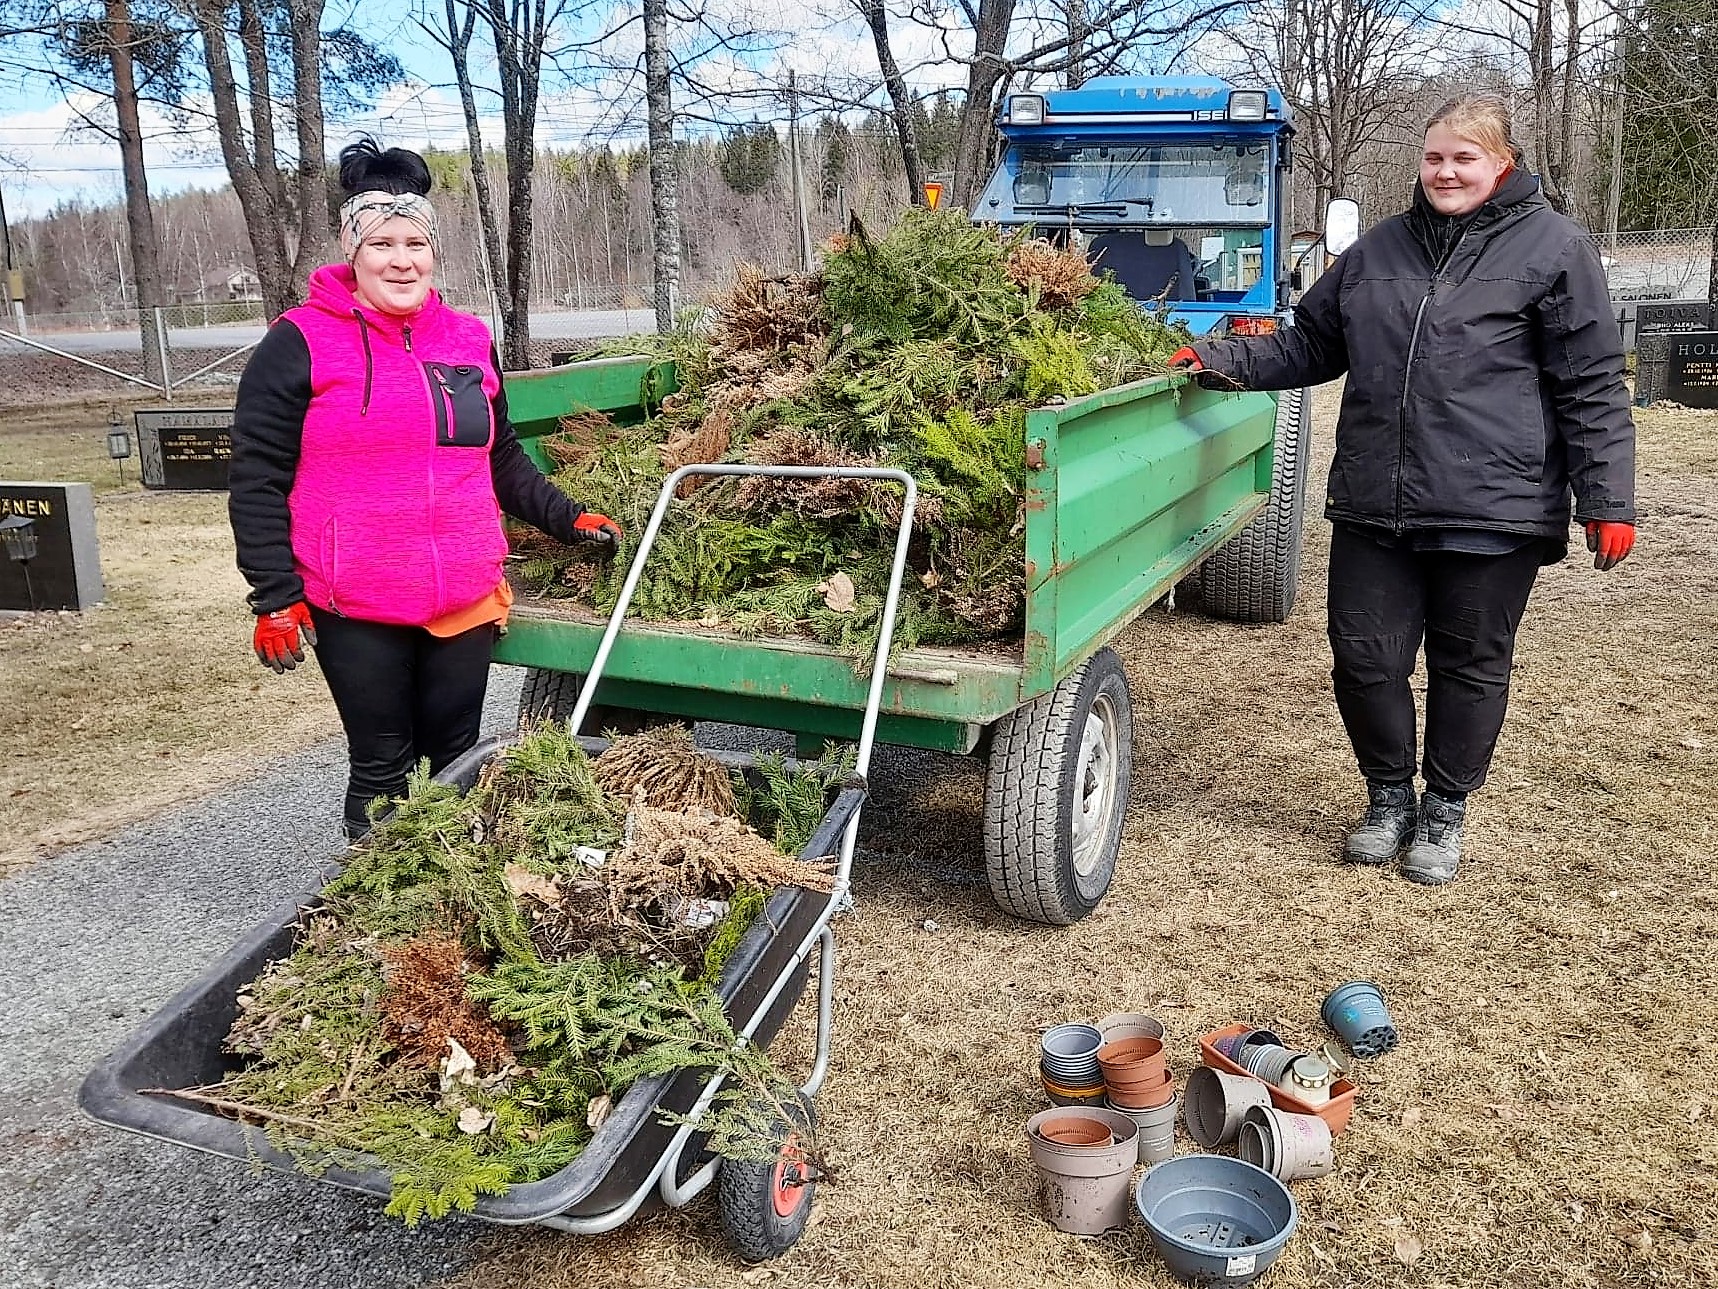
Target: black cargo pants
pixel 1384 601
pixel 403 695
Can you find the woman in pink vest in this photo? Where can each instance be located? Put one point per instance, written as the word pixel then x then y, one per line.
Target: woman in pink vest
pixel 372 460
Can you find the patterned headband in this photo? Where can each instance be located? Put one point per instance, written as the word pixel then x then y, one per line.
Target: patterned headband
pixel 367 211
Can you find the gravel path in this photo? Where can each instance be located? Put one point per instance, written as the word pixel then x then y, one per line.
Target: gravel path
pixel 98 938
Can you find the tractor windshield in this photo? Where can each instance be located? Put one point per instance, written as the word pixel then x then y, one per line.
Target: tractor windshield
pixel 1187 184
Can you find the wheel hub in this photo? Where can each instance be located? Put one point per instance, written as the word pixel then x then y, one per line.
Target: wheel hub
pixel 1096 786
pixel 787 1189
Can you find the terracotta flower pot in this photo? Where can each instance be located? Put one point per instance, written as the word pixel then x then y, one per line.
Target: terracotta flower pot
pixel 1132 1059
pixel 1077 1132
pixel 1145 1095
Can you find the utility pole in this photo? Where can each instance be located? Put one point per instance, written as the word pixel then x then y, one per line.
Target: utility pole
pixel 798 179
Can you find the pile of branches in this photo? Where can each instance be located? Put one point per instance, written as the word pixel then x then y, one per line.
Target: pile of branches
pixel 922 350
pixel 492 970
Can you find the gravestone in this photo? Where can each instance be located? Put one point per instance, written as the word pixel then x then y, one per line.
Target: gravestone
pixel 1691 369
pixel 185 450
pixel 66 570
pixel 1661 317
pixel 1657 325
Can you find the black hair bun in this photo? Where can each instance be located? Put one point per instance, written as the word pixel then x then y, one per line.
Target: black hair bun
pixel 364 167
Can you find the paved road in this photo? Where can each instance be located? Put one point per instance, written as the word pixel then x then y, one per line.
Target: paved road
pixel 585 325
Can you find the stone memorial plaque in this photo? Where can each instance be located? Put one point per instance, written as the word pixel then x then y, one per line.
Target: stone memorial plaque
pixel 1691 372
pixel 187 450
pixel 1662 317
pixel 66 570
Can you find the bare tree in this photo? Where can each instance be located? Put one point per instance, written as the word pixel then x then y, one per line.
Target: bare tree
pixel 664 184
pixel 1351 71
pixel 275 210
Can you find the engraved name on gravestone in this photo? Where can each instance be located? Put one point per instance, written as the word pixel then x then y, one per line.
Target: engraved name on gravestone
pixel 65 572
pixel 1691 374
pixel 1660 317
pixel 187 450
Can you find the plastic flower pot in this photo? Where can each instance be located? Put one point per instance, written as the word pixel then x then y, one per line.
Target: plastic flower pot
pixel 1215 1220
pixel 1336 1112
pixel 1357 1013
pixel 1144 1095
pixel 1123 1025
pixel 1269 1063
pixel 1085 1188
pixel 1216 1102
pixel 1070 1056
pixel 1132 1059
pixel 1291 1147
pixel 1063 1096
pixel 1156 1129
pixel 1077 1132
pixel 1239 1036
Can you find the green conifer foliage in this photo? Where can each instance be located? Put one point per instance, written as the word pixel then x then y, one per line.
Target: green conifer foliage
pixel 317 1068
pixel 927 349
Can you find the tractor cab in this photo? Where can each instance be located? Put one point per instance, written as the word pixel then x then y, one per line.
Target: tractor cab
pixel 1174 185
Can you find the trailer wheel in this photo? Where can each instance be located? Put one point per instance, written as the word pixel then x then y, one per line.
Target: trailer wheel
pixel 1056 795
pixel 1253 577
pixel 552 695
pixel 765 1203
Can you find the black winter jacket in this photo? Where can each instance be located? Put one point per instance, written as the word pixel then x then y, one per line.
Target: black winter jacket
pixel 1481 387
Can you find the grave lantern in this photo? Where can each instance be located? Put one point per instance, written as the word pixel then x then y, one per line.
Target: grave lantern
pixel 118 442
pixel 18 534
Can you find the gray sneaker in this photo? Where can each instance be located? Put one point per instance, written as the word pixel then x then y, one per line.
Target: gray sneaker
pixel 1388 825
pixel 1436 851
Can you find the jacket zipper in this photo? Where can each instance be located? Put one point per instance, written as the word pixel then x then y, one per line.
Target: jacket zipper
pixel 1408 369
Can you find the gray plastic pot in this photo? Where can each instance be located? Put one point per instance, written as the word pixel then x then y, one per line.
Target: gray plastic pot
pixel 1216 1102
pixel 1156 1130
pixel 1291 1147
pixel 1216 1220
pixel 1085 1188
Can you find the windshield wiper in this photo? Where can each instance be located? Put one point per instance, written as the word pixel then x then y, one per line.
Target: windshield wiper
pixel 1116 206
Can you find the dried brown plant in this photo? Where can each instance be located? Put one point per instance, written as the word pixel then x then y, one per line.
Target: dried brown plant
pixel 424 1005
pixel 1063 277
pixel 662 768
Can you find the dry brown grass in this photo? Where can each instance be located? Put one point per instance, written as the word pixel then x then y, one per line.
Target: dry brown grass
pixel 152 698
pixel 1552 1108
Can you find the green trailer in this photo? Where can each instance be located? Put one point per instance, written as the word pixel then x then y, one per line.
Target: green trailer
pixel 1129 492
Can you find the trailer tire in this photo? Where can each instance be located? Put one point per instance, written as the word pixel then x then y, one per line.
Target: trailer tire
pixel 1056 795
pixel 1254 575
pixel 764 1204
pixel 551 696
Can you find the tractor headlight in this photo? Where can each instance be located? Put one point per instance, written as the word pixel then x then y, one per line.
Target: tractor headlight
pixel 1027 109
pixel 1248 105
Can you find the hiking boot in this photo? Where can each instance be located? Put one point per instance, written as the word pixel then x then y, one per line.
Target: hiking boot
pixel 1436 851
pixel 1388 825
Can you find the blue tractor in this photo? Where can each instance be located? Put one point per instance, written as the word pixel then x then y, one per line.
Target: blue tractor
pixel 1177 186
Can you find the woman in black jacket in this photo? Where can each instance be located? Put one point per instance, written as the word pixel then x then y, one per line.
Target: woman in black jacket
pixel 1485 383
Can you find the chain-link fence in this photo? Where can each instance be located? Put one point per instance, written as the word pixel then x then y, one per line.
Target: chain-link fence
pixel 1658 264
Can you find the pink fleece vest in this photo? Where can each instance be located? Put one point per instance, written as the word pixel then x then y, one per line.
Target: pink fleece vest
pixel 394 517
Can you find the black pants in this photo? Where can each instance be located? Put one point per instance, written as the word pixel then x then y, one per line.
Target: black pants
pixel 1383 602
pixel 402 695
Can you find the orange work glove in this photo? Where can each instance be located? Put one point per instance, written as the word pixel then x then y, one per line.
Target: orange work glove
pixel 1185 357
pixel 1610 542
pixel 592 527
pixel 276 638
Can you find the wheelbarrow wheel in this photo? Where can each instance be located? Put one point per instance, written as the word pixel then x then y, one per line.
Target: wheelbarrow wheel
pixel 765 1203
pixel 1056 795
pixel 552 695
